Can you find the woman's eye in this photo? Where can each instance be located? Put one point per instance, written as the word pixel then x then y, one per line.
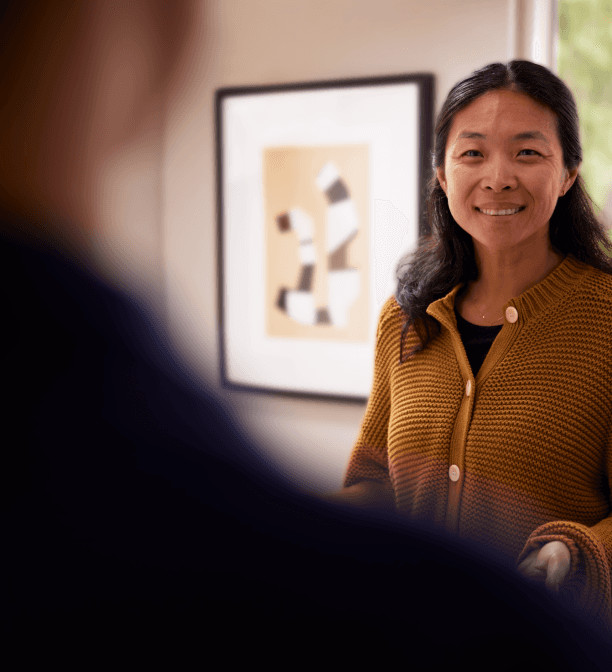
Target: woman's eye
pixel 474 152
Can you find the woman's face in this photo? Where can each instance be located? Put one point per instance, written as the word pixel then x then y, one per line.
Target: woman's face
pixel 503 170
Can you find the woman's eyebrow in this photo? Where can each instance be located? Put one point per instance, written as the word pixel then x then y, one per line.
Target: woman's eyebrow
pixel 531 135
pixel 526 135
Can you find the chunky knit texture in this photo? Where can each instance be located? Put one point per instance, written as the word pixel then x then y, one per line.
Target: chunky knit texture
pixel 530 435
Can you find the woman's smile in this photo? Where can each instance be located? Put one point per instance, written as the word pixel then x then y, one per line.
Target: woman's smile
pixel 501 212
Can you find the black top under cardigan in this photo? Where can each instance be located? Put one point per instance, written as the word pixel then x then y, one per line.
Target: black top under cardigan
pixel 477 341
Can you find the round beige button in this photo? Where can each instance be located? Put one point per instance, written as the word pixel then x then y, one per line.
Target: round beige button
pixel 512 314
pixel 468 387
pixel 453 473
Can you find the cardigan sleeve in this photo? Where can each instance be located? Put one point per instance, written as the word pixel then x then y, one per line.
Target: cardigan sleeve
pixel 587 589
pixel 369 460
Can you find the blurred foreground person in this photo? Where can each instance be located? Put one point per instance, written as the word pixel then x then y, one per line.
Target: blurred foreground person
pixel 137 518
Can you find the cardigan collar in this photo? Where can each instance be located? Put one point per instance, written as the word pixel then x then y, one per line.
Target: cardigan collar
pixel 552 289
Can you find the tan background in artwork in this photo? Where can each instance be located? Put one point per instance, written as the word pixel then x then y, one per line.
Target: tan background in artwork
pixel 289 182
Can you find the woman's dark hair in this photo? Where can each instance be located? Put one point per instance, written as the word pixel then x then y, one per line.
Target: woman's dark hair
pixel 445 257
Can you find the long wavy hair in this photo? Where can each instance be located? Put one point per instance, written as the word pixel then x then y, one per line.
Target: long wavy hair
pixel 445 257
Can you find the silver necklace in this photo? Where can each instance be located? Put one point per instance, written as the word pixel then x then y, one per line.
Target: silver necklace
pixel 497 320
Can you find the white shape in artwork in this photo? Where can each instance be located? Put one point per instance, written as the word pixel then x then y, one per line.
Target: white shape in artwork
pixel 301 306
pixel 342 224
pixel 344 284
pixel 327 176
pixel 301 223
pixel 343 290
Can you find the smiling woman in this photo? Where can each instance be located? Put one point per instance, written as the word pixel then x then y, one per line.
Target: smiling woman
pixel 502 184
pixel 491 410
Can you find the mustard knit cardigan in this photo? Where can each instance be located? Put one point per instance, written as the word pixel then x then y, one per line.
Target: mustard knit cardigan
pixel 521 454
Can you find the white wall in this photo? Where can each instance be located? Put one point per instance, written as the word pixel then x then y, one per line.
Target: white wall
pixel 255 42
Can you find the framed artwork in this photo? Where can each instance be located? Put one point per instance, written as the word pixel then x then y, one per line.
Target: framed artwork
pixel 320 186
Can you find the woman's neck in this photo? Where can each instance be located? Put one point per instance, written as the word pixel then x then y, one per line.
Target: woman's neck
pixel 503 276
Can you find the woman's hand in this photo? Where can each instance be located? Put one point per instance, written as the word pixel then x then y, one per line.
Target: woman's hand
pixel 550 564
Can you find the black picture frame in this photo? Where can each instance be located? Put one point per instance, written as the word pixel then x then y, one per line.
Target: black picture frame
pixel 267 138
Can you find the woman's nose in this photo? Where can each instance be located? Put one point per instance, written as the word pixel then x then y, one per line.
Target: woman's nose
pixel 499 174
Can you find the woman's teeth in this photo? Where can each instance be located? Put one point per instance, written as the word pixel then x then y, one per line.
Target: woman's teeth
pixel 500 212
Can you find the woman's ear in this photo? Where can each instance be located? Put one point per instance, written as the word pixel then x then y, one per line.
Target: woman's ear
pixel 570 178
pixel 441 178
